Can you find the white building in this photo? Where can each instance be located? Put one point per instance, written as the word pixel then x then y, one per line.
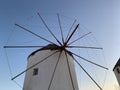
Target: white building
pixel 116 70
pixel 48 75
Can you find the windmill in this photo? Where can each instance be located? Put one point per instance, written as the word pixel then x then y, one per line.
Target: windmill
pixel 52 66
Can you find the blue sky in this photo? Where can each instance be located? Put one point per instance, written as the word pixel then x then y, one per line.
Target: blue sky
pixel 101 17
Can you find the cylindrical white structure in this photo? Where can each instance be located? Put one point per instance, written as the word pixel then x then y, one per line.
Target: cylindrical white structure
pixel 48 75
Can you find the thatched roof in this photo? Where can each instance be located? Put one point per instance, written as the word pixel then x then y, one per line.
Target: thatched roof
pixel 49 47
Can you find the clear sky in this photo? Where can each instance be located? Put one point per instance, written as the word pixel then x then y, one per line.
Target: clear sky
pixel 101 17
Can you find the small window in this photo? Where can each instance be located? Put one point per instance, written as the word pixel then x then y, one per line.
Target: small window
pixel 35 71
pixel 118 70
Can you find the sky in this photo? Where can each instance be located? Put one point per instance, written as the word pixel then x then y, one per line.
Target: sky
pixel 101 17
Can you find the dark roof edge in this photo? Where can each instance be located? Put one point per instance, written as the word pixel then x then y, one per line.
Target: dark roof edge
pixel 47 47
pixel 117 64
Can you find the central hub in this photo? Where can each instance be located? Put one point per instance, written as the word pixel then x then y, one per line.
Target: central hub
pixel 63 47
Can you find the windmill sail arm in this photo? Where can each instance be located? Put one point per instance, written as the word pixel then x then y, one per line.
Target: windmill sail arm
pixel 84 47
pixel 34 33
pixel 23 46
pixel 71 34
pixel 80 37
pixel 34 65
pixel 49 29
pixel 70 29
pixel 69 71
pixel 88 74
pixel 90 61
pixel 60 28
pixel 54 71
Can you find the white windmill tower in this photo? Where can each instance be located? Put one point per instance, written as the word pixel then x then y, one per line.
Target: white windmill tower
pixel 52 67
pixel 55 73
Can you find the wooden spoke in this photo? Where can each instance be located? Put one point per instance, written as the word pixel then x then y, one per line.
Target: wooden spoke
pixel 34 65
pixel 88 74
pixel 60 28
pixel 84 47
pixel 90 61
pixel 23 46
pixel 71 34
pixel 69 71
pixel 70 30
pixel 49 29
pixel 54 71
pixel 34 33
pixel 80 38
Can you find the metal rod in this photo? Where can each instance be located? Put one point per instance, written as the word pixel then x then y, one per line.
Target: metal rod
pixel 84 47
pixel 34 65
pixel 60 28
pixel 71 34
pixel 23 46
pixel 80 38
pixel 90 61
pixel 88 75
pixel 69 71
pixel 34 33
pixel 54 71
pixel 70 30
pixel 49 29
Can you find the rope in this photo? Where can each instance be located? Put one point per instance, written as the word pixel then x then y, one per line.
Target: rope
pixel 103 57
pixel 7 60
pixel 8 63
pixel 105 71
pixel 10 70
pixel 105 62
pixel 10 35
pixel 17 84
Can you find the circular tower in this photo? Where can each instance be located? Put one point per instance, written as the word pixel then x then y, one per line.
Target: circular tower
pixel 51 68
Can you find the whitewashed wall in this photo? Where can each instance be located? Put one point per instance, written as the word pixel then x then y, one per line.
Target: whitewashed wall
pixel 41 81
